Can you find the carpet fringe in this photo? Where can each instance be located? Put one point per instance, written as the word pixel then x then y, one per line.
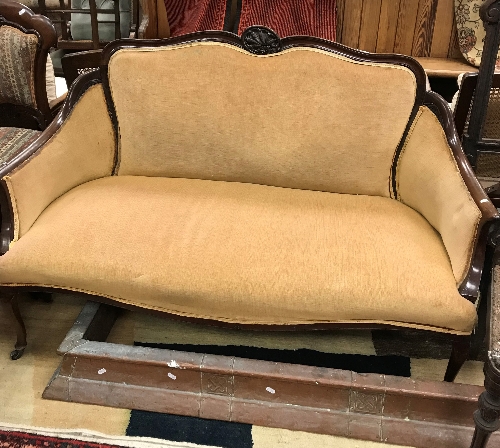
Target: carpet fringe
pixel 96 437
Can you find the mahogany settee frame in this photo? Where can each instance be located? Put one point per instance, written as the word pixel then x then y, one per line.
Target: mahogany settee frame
pixel 260 40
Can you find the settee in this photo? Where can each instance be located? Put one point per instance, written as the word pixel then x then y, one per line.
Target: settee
pixel 251 181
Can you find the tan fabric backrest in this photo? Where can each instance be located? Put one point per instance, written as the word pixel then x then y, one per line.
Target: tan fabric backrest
pixel 82 149
pixel 303 118
pixel 429 181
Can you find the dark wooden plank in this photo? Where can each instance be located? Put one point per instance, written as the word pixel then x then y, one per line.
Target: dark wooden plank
pixel 424 28
pixel 454 50
pixel 78 44
pixel 369 28
pixel 352 23
pixel 389 11
pixel 162 20
pixel 445 67
pixel 443 29
pixel 340 19
pixel 407 18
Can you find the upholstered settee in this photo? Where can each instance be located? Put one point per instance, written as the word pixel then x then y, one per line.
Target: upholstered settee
pixel 290 183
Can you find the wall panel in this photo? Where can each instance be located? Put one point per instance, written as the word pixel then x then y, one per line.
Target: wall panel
pixel 352 22
pixel 368 32
pixel 389 11
pixel 443 29
pixel 424 28
pixel 421 28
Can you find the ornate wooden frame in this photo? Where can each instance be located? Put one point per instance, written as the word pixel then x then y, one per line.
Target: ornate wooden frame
pixel 21 17
pixel 487 416
pixel 260 40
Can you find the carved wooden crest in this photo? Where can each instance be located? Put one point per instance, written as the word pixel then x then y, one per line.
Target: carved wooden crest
pixel 261 40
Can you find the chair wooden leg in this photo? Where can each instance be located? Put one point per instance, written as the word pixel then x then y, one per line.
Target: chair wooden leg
pixel 459 354
pixel 11 308
pixel 487 417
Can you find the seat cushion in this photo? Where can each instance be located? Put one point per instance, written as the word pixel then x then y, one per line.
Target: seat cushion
pixel 243 253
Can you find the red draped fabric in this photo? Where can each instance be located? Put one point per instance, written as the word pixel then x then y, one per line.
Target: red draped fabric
pixel 291 17
pixel 188 16
pixel 285 17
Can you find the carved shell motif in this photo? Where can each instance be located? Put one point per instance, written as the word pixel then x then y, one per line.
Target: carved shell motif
pixel 261 40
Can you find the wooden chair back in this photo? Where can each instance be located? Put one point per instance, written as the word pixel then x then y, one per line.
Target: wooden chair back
pixel 66 41
pixel 34 113
pixel 480 123
pixel 76 64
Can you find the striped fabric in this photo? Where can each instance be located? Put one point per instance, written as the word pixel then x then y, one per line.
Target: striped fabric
pixel 188 16
pixel 291 18
pixel 17 71
pixel 13 140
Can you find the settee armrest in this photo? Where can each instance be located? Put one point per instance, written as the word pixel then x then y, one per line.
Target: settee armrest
pixel 434 177
pixel 78 146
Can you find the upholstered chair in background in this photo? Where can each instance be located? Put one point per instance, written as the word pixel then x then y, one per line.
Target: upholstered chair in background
pixel 28 100
pixel 487 155
pixel 25 41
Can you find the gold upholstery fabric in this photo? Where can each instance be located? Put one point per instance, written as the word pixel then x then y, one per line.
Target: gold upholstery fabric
pixel 243 253
pixel 83 149
pixel 17 70
pixel 429 181
pixel 303 118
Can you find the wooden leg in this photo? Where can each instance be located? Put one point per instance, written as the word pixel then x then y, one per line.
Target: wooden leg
pixel 479 336
pixel 459 354
pixel 11 307
pixel 487 417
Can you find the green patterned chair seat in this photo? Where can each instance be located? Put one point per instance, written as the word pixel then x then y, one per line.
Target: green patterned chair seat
pixel 13 140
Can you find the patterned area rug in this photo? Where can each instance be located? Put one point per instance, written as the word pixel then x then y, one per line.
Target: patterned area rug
pixel 23 381
pixel 14 439
pixel 30 437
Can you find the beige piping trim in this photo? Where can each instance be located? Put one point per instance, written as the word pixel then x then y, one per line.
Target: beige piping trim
pixel 243 320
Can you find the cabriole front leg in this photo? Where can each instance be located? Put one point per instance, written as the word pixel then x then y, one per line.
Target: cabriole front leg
pixel 11 309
